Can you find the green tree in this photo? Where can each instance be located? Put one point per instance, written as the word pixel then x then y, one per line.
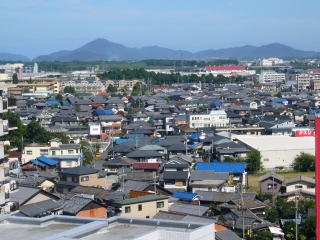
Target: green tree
pixel 272 214
pixel 289 230
pixel 69 89
pixel 278 94
pixel 254 161
pixel 15 137
pixel 139 89
pixel 308 229
pixel 304 162
pixel 15 79
pixel 59 97
pixel 111 89
pixel 260 235
pixel 86 150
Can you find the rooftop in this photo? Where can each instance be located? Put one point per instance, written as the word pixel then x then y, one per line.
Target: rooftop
pixel 116 228
pixel 278 143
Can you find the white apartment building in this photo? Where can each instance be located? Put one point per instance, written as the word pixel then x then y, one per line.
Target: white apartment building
pixel 269 62
pixel 271 77
pixel 228 71
pixel 303 81
pixel 68 155
pixel 216 118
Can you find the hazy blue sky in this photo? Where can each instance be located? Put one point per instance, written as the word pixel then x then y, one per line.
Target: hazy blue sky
pixel 34 27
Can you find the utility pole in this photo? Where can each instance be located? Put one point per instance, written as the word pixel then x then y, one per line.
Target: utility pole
pixel 296 198
pixel 242 206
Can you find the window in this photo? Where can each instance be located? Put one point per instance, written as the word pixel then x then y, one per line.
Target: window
pixel 74 179
pixel 29 152
pixel 84 178
pixel 160 204
pixel 43 151
pixel 298 186
pixel 53 153
pixel 70 151
pixel 127 209
pixel 139 207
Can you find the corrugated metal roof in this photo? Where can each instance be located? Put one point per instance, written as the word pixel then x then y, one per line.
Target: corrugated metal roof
pixel 184 195
pixel 222 167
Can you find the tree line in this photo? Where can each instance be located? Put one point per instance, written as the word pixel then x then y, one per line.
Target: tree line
pixel 161 78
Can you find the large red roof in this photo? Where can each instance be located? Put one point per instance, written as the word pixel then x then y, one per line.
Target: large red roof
pixel 225 68
pixel 146 166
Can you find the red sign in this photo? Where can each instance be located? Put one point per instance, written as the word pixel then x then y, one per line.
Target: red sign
pixel 318 178
pixel 305 133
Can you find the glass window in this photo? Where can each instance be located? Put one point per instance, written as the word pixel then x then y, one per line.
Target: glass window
pixel 139 207
pixel 43 151
pixel 160 204
pixel 84 178
pixel 127 209
pixel 70 151
pixel 29 152
pixel 53 153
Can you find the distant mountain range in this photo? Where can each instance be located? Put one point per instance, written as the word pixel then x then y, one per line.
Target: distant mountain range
pixel 102 49
pixel 13 57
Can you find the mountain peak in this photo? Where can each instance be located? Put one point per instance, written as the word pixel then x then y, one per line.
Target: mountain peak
pixel 103 49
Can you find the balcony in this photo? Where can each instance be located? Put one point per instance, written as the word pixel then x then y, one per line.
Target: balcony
pixel 7 104
pixel 1 151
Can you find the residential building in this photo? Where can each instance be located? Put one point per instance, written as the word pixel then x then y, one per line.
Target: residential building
pixel 36 85
pixel 301 185
pixel 303 81
pixel 269 62
pixel 142 207
pixel 176 175
pixel 68 155
pixel 315 80
pixel 83 176
pixel 85 86
pixel 271 77
pixel 216 118
pixel 271 184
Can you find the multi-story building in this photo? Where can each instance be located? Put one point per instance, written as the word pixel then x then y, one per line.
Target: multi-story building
pixel 269 62
pixel 303 81
pixel 272 77
pixel 216 118
pixel 228 71
pixel 50 85
pixel 315 80
pixel 68 155
pixel 85 86
pixel 122 84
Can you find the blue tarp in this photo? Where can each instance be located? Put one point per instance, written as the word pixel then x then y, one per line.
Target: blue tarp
pixel 104 112
pixel 314 111
pixel 40 164
pixel 53 102
pixel 185 195
pixel 47 161
pixel 66 156
pixel 182 115
pixel 222 167
pixel 217 103
pixel 124 140
pixel 195 136
pixel 136 135
pixel 279 100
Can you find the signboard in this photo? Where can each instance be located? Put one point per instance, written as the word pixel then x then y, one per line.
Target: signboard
pixel 95 130
pixel 318 178
pixel 304 132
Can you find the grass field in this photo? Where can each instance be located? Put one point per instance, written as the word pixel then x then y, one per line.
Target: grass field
pixel 253 179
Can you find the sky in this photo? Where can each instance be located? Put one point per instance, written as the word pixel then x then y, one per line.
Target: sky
pixel 35 27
